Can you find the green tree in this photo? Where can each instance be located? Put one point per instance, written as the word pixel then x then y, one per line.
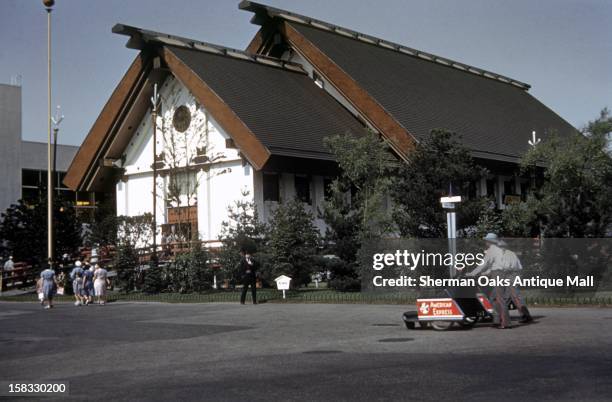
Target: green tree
pixel 293 241
pixel 435 164
pixel 575 199
pixel 356 208
pixel 134 237
pixel 243 229
pixel 23 230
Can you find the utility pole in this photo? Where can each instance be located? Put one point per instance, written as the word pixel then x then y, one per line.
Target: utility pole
pixel 48 5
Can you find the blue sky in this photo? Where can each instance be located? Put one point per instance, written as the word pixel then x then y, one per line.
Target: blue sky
pixel 561 47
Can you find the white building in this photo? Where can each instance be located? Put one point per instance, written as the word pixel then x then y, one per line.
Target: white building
pixel 251 123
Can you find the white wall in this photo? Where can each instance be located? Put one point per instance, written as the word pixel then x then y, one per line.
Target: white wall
pixel 218 188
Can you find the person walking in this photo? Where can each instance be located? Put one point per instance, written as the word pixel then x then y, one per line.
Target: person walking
pixel 512 266
pixel 88 285
pixel 248 270
pixel 100 277
pixel 48 286
pixel 76 275
pixel 492 264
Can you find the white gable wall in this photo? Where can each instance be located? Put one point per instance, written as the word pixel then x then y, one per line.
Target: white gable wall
pixel 218 188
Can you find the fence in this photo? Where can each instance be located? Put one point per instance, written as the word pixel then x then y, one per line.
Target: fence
pixel 21 276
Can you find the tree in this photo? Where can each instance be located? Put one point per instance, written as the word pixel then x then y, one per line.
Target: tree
pixel 103 229
pixel 435 164
pixel 293 242
pixel 133 241
pixel 23 230
pixel 575 199
pixel 242 229
pixel 356 207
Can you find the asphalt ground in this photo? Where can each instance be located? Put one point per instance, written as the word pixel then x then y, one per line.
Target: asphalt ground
pixel 301 352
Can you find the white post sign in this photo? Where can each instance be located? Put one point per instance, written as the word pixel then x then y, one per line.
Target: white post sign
pixel 282 283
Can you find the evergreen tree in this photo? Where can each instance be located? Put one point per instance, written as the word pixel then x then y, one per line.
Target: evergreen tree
pixel 356 207
pixel 243 229
pixel 293 242
pixel 435 164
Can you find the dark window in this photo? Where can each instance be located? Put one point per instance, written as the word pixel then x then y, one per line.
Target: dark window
pixel 327 182
pixel 60 181
pixel 491 187
pixel 524 190
pixel 30 195
pixel 270 187
pixel 302 188
pixel 472 192
pixel 30 178
pixel 508 187
pixel 229 143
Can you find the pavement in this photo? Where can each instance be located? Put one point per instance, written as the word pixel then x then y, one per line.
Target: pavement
pixel 301 352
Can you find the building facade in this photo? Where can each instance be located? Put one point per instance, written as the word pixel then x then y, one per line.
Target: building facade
pixel 251 124
pixel 23 164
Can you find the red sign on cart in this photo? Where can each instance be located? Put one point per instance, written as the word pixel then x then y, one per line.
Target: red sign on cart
pixel 438 308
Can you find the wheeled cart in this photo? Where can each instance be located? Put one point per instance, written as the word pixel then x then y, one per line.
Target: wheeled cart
pixel 450 308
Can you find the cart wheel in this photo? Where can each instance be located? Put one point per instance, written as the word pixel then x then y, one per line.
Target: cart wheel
pixel 410 324
pixel 441 325
pixel 468 322
pixel 424 324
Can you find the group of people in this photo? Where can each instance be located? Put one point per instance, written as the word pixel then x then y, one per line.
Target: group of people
pixel 88 281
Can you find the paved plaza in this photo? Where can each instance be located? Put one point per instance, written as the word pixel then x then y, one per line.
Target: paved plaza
pixel 301 352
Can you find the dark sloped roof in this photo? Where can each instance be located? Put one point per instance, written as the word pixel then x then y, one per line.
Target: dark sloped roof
pixel 285 110
pixel 491 116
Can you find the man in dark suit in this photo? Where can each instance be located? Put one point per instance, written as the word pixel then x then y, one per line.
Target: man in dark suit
pixel 248 270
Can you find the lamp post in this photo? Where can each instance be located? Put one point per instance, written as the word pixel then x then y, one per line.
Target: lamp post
pixel 57 119
pixel 154 102
pixel 49 7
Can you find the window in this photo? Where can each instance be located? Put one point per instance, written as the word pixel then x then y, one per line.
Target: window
pixel 270 187
pixel 317 79
pixel 30 178
pixel 182 184
pixel 302 188
pixel 524 190
pixel 508 187
pixel 491 187
pixel 327 182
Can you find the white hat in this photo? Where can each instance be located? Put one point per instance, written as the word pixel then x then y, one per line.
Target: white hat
pixel 77 264
pixel 491 238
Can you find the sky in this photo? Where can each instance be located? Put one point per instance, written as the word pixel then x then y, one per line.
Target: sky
pixel 562 48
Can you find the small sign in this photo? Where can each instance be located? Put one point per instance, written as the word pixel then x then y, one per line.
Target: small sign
pixel 282 282
pixel 453 199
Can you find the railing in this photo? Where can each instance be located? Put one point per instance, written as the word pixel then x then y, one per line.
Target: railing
pixel 22 275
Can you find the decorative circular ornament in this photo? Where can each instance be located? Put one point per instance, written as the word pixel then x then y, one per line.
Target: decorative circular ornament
pixel 181 119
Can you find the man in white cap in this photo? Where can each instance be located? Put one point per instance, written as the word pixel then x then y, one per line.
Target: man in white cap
pixel 493 265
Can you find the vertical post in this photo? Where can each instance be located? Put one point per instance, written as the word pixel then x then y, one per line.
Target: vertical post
pixel 49 150
pixel 451 231
pixel 154 100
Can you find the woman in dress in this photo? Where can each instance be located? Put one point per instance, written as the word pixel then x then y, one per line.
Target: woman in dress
pixel 49 285
pixel 100 281
pixel 88 287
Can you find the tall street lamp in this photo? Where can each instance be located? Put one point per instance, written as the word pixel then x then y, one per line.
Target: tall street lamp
pixel 57 119
pixel 48 6
pixel 154 110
